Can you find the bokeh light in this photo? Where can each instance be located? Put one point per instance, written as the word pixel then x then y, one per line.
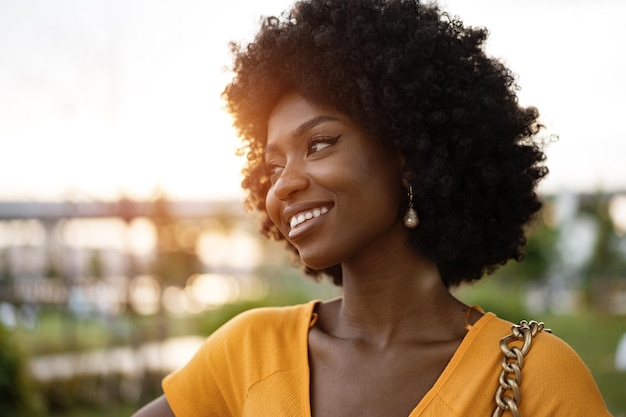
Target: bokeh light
pixel 145 294
pixel 213 290
pixel 236 249
pixel 617 210
pixel 142 236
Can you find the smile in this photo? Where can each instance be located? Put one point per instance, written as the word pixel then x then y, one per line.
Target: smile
pixel 307 215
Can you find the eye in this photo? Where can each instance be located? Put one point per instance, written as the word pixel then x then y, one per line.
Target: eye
pixel 273 171
pixel 316 144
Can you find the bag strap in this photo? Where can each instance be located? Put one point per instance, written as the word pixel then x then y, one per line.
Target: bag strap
pixel 508 393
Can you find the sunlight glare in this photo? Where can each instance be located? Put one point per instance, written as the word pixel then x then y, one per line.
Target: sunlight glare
pixel 145 295
pixel 213 290
pixel 617 210
pixel 237 249
pixel 142 236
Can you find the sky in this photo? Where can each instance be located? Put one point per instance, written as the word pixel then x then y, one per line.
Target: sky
pixel 104 98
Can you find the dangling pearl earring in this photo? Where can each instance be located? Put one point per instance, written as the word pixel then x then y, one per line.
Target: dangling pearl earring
pixel 410 218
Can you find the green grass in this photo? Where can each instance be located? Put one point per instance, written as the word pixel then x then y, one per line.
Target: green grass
pixel 120 411
pixel 58 332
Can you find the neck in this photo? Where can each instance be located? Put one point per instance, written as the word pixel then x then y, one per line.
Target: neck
pixel 404 300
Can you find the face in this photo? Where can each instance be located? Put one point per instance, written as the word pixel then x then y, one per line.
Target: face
pixel 335 191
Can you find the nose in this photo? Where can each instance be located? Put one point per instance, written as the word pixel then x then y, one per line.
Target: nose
pixel 291 180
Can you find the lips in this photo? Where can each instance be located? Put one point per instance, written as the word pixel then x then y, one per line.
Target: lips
pixel 303 216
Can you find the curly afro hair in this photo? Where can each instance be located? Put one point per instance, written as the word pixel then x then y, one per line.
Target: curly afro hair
pixel 419 80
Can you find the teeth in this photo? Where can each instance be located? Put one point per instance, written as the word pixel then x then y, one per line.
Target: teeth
pixel 306 215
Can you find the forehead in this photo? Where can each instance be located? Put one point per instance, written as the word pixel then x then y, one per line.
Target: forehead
pixel 294 114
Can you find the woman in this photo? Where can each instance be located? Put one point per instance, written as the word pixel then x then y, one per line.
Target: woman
pixel 391 155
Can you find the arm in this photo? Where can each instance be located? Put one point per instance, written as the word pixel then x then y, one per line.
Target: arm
pixel 157 408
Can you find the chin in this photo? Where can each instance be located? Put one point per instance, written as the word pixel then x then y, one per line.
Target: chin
pixel 318 266
pixel 317 261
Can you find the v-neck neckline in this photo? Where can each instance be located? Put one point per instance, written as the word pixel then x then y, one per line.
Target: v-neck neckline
pixel 311 318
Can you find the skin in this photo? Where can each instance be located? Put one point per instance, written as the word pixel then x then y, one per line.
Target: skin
pixel 379 348
pixel 396 326
pixel 320 158
pixel 156 408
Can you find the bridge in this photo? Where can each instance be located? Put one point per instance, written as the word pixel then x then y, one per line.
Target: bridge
pixel 124 209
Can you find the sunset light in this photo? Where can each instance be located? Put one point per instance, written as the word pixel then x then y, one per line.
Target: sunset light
pixel 129 249
pixel 107 99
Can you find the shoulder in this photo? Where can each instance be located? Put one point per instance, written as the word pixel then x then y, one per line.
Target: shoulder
pixel 247 349
pixel 281 314
pixel 548 355
pixel 264 319
pixel 555 380
pixel 555 362
pixel 262 328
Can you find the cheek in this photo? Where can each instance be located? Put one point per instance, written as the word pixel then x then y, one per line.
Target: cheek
pixel 377 173
pixel 381 178
pixel 272 208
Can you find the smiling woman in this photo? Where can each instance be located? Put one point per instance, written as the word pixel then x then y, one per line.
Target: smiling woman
pixel 311 157
pixel 354 113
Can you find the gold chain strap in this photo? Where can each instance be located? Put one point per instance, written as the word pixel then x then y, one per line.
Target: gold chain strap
pixel 512 364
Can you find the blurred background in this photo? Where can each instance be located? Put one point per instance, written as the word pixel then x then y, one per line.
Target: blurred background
pixel 123 241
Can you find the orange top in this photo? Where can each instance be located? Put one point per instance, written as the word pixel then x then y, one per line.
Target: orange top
pixel 257 365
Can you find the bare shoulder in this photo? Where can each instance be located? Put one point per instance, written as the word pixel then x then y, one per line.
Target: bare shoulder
pixel 157 408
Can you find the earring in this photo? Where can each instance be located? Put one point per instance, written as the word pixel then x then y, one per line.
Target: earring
pixel 410 218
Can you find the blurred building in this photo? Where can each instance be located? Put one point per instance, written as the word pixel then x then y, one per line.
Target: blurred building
pixel 101 257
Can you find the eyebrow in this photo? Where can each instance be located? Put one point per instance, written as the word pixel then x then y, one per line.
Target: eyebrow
pixel 312 123
pixel 308 125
